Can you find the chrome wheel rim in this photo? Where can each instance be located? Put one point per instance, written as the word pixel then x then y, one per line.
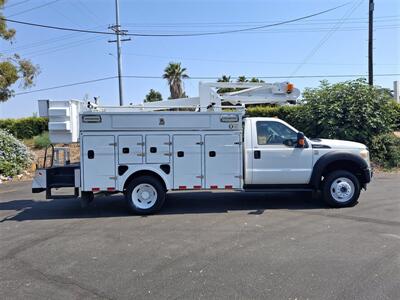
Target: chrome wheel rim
pixel 342 189
pixel 144 196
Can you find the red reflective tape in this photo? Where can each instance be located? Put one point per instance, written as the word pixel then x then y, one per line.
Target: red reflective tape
pixel 197 186
pixel 228 187
pixel 110 189
pixel 182 187
pixel 213 186
pixel 95 189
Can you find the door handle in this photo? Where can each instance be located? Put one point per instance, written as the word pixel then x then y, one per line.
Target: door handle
pixel 257 154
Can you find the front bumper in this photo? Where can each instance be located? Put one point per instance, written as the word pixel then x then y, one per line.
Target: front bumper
pixel 368 173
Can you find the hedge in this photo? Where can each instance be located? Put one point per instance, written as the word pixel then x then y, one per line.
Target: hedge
pixel 25 128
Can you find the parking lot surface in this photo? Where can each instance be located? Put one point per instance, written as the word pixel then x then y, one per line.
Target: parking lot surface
pixel 202 245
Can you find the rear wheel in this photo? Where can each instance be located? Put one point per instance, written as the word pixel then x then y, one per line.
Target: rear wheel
pixel 145 195
pixel 341 189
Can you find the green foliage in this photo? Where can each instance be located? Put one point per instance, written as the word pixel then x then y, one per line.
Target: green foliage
pixel 385 150
pixel 41 141
pixel 174 73
pixel 25 128
pixel 13 68
pixel 153 96
pixel 225 78
pixel 348 110
pixel 395 108
pixel 14 155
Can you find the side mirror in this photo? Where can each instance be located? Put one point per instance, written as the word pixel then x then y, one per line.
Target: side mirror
pixel 301 140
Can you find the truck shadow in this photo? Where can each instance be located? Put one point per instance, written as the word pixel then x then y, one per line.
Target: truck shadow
pixel 176 203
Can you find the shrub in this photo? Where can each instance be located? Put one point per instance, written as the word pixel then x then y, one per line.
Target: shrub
pixel 385 150
pixel 14 155
pixel 41 141
pixel 350 110
pixel 25 128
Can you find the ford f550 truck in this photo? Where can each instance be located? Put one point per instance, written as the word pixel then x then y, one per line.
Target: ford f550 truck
pixel 144 151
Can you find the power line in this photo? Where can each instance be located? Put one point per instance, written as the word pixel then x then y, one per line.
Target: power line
pixel 178 35
pixel 44 42
pixel 16 4
pixel 33 8
pixel 312 30
pixel 89 12
pixel 63 47
pixel 234 61
pixel 208 25
pixel 189 24
pixel 66 85
pixel 327 36
pixel 203 78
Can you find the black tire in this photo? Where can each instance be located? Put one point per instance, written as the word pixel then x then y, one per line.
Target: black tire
pixel 86 198
pixel 330 191
pixel 149 185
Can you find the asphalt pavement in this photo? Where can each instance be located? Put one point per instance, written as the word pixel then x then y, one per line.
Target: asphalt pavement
pixel 202 245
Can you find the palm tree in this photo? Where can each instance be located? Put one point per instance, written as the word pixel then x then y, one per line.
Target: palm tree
pixel 242 79
pixel 224 78
pixel 174 73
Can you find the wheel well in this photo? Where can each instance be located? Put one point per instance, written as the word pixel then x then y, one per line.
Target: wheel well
pixel 144 173
pixel 346 165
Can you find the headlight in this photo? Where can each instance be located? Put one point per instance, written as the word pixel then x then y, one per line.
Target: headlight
pixel 365 154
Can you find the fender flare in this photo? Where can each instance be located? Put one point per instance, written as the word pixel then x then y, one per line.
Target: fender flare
pixel 330 157
pixel 156 171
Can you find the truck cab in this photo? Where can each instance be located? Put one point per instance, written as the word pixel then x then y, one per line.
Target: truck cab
pixel 278 156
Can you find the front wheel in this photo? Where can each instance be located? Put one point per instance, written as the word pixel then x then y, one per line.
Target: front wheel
pixel 145 195
pixel 341 189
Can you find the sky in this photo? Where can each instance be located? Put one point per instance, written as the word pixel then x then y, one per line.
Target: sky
pixel 334 43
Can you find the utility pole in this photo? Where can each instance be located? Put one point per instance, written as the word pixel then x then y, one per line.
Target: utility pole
pixel 119 32
pixel 370 43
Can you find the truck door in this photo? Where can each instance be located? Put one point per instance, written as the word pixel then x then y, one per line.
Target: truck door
pixel 130 149
pixel 158 149
pixel 98 162
pixel 276 160
pixel 223 161
pixel 187 162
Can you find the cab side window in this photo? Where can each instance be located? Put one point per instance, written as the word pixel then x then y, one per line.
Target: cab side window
pixel 275 133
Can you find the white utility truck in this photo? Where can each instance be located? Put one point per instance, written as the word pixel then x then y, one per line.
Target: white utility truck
pixel 202 143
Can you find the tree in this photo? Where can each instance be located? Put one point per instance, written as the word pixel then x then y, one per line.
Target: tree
pixel 242 79
pixel 13 68
pixel 255 79
pixel 174 74
pixel 225 78
pixel 153 96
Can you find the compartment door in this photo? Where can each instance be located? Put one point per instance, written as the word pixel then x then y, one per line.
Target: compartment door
pixel 98 162
pixel 130 149
pixel 223 161
pixel 157 149
pixel 187 162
